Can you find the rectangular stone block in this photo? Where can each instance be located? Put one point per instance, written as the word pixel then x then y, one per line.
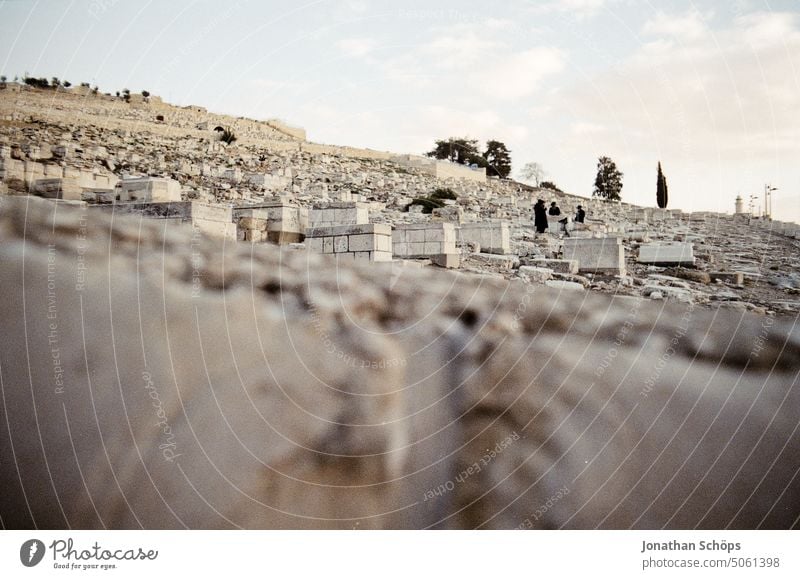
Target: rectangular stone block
pixel 315 244
pixel 416 248
pixel 604 255
pixel 363 242
pixel 415 235
pixel 381 256
pixel 447 260
pixel 383 243
pixel 434 234
pixel 492 236
pixel 667 254
pixel 420 240
pixel 327 244
pixel 377 228
pixel 340 244
pixel 557 265
pixel 400 248
pixel 432 248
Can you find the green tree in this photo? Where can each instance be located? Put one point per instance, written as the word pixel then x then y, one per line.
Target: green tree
pixel 662 196
pixel 145 93
pixel 550 185
pixel 608 182
pixel 498 159
pixel 458 150
pixel 55 82
pixel 228 136
pixel 67 84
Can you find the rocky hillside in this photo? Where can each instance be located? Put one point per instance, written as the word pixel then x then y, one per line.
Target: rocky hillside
pixel 107 135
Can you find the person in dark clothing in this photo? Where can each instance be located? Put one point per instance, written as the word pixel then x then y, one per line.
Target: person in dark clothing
pixel 554 210
pixel 540 216
pixel 580 215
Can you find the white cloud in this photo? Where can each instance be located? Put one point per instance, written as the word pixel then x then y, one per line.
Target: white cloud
pixel 475 64
pixel 717 105
pixel 356 47
pixel 763 29
pixel 518 75
pixel 690 25
pixel 578 9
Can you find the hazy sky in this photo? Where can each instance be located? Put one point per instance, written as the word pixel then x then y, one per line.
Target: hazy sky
pixel 711 89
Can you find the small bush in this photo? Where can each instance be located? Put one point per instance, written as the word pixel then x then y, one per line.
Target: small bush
pixel 444 194
pixel 549 185
pixel 228 136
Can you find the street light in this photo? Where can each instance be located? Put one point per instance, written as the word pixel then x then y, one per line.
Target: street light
pixel 753 204
pixel 768 189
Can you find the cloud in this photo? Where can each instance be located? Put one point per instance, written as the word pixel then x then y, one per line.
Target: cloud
pixel 475 64
pixel 733 91
pixel 356 47
pixel 578 9
pixel 687 26
pixel 518 75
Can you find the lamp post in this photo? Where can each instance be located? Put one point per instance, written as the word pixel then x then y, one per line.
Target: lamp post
pixel 753 204
pixel 768 189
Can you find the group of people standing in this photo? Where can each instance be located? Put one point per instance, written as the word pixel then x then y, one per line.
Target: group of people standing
pixel 540 213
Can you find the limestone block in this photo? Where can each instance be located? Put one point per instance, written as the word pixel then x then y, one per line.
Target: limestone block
pixel 340 244
pixel 253 223
pixel 596 255
pixel 557 265
pixel 362 242
pixel 383 243
pixel 381 256
pixel 564 285
pixel 316 244
pixel 431 248
pixel 492 236
pixel 414 234
pixel 447 260
pixel 667 254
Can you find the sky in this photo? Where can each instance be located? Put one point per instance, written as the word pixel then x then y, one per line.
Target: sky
pixel 709 89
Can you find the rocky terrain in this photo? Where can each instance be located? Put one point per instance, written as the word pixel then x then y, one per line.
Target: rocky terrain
pixel 106 135
pixel 155 378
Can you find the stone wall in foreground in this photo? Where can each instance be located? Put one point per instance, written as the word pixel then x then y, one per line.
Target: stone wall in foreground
pixel 154 379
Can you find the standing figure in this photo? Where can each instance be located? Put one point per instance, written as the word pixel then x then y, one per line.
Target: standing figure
pixel 580 215
pixel 554 210
pixel 540 216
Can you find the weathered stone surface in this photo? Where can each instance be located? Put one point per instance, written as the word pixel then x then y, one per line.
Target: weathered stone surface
pixel 447 260
pixel 599 255
pixel 689 274
pixel 492 236
pixel 301 393
pixel 561 284
pixel 534 274
pixel 557 265
pixel 734 277
pixel 667 254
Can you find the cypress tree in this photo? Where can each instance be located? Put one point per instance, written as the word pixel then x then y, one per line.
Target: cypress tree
pixel 662 197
